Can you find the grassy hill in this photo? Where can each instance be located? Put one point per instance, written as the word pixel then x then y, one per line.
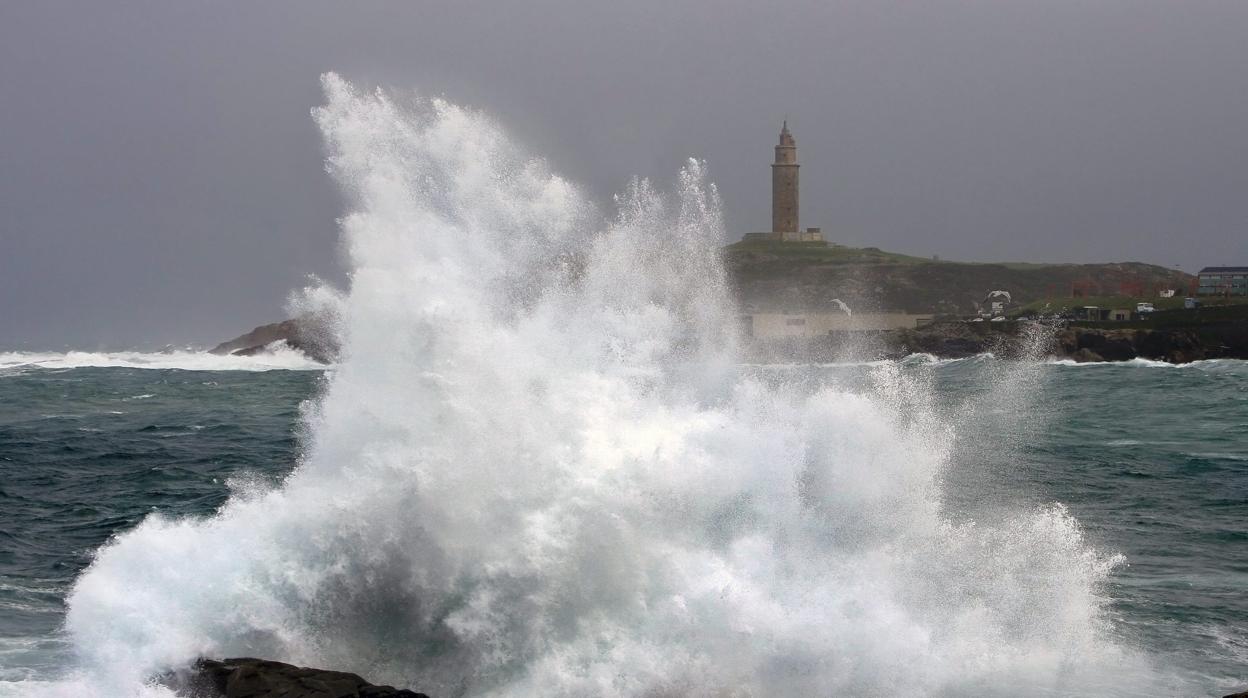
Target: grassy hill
pixel 800 276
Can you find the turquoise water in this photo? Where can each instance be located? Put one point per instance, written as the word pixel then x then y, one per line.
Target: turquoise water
pixel 87 453
pixel 1151 459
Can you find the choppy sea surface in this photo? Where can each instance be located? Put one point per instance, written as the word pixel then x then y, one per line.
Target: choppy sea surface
pixel 1151 459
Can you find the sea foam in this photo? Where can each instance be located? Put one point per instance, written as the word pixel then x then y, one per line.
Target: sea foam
pixel 275 358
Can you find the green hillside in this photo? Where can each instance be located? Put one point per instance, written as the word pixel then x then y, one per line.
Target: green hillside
pixel 801 276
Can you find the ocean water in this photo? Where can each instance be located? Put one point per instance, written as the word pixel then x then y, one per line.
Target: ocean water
pixel 1150 459
pixel 541 468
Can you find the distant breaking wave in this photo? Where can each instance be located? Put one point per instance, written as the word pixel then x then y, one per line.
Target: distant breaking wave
pixel 277 359
pixel 1137 362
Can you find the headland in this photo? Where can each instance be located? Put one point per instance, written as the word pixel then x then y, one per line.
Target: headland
pixel 804 297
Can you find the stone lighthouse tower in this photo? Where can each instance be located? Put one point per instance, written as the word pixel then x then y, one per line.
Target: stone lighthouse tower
pixel 784 188
pixel 784 198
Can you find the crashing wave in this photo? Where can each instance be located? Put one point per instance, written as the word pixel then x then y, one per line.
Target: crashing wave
pixel 539 469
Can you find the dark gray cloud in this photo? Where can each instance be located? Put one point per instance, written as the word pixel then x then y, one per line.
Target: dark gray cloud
pixel 161 181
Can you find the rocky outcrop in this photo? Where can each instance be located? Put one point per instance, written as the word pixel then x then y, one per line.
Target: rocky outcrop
pixel 259 678
pixel 952 339
pixel 957 339
pixel 1174 346
pixel 309 334
pixel 1083 344
pixel 948 340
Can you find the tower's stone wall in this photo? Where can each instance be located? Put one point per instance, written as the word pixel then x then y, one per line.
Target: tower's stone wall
pixel 784 187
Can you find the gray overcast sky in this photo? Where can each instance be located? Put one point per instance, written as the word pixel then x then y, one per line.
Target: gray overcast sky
pixel 161 180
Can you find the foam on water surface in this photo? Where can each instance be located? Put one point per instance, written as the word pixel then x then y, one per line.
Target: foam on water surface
pixel 540 470
pixel 277 358
pixel 1203 364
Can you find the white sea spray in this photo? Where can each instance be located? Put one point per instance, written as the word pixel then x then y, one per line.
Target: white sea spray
pixel 273 359
pixel 539 469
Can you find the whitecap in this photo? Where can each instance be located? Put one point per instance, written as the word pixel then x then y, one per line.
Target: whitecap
pixel 278 359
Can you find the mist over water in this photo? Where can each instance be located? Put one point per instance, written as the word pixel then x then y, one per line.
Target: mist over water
pixel 540 469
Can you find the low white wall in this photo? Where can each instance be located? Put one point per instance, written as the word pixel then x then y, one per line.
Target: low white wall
pixel 784 325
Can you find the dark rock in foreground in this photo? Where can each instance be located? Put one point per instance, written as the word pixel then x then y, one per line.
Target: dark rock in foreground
pixel 259 678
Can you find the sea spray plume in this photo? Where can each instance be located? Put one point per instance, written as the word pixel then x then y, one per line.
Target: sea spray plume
pixel 319 307
pixel 663 266
pixel 432 317
pixel 520 479
pixel 1009 413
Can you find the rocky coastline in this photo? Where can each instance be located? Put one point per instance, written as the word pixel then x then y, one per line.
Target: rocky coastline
pixel 1176 345
pixel 1013 340
pixel 954 339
